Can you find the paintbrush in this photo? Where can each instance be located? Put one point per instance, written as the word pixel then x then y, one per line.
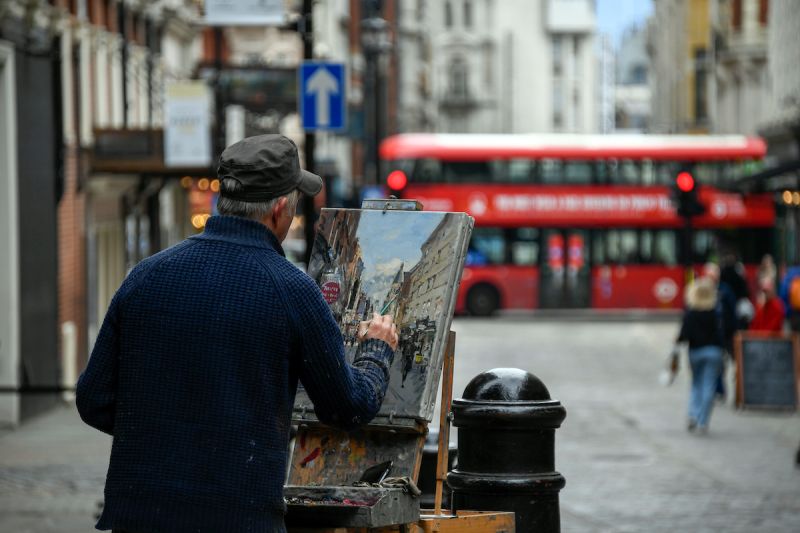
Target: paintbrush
pixel 387 304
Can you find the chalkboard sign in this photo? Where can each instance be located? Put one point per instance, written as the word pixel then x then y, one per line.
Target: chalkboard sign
pixel 768 370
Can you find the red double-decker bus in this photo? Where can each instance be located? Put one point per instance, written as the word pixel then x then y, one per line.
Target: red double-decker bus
pixel 583 221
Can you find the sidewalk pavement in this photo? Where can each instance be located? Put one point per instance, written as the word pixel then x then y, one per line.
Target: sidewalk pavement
pixel 52 471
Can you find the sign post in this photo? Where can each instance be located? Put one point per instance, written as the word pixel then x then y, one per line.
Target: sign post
pixel 322 95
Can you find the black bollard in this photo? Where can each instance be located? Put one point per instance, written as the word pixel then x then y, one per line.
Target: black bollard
pixel 506 449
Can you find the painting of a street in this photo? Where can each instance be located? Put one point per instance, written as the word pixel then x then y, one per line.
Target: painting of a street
pixel 401 263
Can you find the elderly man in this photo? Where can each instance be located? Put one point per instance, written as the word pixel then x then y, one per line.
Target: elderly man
pixel 196 365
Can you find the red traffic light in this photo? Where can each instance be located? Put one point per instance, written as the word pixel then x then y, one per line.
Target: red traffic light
pixel 684 181
pixel 397 180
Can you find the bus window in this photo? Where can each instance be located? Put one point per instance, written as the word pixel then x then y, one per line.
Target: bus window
pixel 646 246
pixel 623 172
pixel 521 170
pixel 648 171
pixel 665 172
pixel 599 248
pixel 465 172
pixel 487 247
pixel 620 247
pixel 550 171
pixel 665 248
pixel 706 173
pixel 524 246
pixel 427 171
pixel 703 246
pixel 577 172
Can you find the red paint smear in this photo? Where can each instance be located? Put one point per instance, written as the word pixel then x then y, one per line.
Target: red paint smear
pixel 310 457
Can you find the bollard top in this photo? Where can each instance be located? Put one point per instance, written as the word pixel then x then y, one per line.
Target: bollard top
pixel 506 384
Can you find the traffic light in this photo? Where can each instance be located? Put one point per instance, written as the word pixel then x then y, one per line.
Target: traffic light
pixel 684 195
pixel 397 181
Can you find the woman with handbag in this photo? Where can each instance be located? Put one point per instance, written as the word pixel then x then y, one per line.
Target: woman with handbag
pixel 701 328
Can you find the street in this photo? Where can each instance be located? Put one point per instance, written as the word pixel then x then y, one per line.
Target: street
pixel 629 462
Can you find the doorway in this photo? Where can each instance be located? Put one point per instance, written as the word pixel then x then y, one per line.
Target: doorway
pixel 565 280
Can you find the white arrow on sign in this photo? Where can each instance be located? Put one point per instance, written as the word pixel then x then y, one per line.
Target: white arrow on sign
pixel 322 84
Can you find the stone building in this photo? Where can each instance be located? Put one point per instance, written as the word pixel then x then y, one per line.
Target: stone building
pixel 679 45
pixel 489 66
pixel 82 81
pixel 740 84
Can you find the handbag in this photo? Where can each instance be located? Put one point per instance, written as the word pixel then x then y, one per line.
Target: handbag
pixel 670 372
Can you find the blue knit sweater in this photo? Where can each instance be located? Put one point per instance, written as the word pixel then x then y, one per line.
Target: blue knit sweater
pixel 194 373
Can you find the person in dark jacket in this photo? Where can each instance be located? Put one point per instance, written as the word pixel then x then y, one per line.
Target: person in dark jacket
pixel 726 310
pixel 195 368
pixel 701 329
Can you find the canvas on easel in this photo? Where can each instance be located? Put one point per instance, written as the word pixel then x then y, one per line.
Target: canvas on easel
pixel 406 264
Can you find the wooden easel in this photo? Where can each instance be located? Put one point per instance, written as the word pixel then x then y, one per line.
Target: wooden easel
pixel 436 520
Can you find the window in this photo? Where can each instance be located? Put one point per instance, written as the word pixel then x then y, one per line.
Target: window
pixel 704 246
pixel 521 170
pixel 648 172
pixel 468 13
pixel 448 15
pixel 630 246
pixel 763 10
pixel 639 74
pixel 550 171
pixel 465 172
pixel 427 171
pixel 524 246
pixel 623 172
pixel 458 79
pixel 577 172
pixel 736 15
pixel 700 93
pixel 557 55
pixel 487 247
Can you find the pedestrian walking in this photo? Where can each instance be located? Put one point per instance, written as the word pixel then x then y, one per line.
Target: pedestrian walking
pixel 732 273
pixel 701 329
pixel 196 365
pixel 728 322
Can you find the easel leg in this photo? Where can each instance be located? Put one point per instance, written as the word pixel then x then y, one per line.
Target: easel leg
pixel 444 421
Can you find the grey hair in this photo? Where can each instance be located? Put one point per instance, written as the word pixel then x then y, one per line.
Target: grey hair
pixel 251 210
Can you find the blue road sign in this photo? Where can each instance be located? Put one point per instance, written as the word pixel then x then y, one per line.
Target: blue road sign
pixel 322 95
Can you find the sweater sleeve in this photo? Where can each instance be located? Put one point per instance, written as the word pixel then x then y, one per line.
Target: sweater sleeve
pixel 97 386
pixel 344 395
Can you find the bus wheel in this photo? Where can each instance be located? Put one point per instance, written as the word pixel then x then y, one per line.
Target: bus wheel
pixel 483 300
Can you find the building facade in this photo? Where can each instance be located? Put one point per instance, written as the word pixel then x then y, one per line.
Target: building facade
pixel 490 66
pixel 740 82
pixel 76 75
pixel 780 126
pixel 679 45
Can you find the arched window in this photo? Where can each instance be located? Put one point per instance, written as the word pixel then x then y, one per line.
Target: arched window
pixel 458 79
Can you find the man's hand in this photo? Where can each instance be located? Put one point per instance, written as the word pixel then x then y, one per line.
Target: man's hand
pixel 381 327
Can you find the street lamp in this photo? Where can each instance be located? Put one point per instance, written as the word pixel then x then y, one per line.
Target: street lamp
pixel 375 43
